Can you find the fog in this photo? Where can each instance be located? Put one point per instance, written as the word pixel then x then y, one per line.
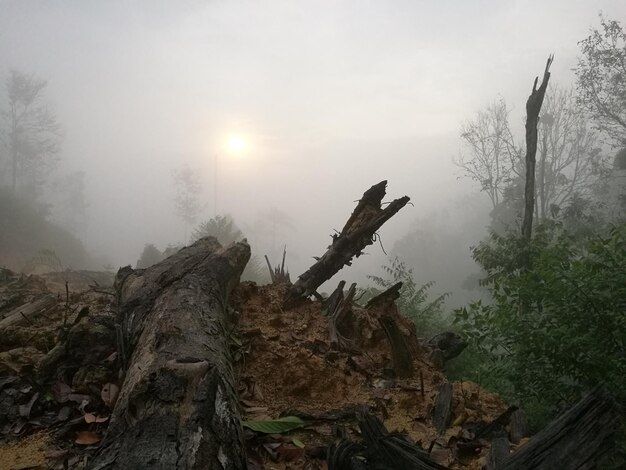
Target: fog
pixel 330 97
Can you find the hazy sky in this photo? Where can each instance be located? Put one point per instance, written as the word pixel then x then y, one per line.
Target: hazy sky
pixel 333 96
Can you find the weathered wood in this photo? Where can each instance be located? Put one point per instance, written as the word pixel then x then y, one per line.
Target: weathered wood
pixel 576 439
pixel 518 427
pixel 500 448
pixel 177 406
pixel 399 330
pixel 359 232
pixel 380 449
pixel 341 320
pixel 533 107
pixel 442 413
pixel 400 353
pixel 28 312
pixel 449 344
pixel 278 275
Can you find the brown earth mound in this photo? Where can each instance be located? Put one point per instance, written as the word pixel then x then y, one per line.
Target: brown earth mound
pixel 59 378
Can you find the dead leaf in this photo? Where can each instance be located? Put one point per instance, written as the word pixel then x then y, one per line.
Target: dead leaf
pixel 91 418
pixel 109 394
pixel 55 454
pixel 441 456
pixel 86 438
pixel 289 452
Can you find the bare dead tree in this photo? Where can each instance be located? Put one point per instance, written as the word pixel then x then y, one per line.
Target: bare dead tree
pixel 533 107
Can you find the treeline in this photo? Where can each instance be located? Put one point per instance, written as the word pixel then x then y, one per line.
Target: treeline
pixel 30 144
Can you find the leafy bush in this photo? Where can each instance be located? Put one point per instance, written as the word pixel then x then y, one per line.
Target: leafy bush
pixel 224 228
pixel 552 331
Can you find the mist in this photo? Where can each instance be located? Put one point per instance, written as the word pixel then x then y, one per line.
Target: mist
pixel 329 98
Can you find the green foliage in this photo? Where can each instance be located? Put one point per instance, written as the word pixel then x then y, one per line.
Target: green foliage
pixel 414 301
pixel 555 330
pixel 275 426
pixel 222 227
pixel 601 74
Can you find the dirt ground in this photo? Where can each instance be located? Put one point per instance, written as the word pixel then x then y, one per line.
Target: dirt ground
pixel 289 367
pixel 59 376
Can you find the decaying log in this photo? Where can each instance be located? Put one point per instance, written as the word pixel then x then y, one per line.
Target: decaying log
pixel 577 439
pixel 177 407
pixel 359 232
pixel 27 313
pixel 442 413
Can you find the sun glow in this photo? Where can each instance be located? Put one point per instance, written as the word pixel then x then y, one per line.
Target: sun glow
pixel 236 144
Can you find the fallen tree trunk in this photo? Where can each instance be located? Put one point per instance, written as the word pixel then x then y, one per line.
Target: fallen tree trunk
pixel 177 407
pixel 577 439
pixel 359 232
pixel 28 312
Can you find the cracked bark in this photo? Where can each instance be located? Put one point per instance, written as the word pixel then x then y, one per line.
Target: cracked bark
pixel 359 232
pixel 177 407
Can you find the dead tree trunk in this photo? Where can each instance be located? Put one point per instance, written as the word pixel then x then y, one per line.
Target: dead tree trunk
pixel 577 439
pixel 533 107
pixel 177 407
pixel 359 232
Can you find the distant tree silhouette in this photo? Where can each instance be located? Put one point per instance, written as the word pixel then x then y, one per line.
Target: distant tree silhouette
pixel 149 256
pixel 188 189
pixel 29 132
pixel 601 79
pixel 222 227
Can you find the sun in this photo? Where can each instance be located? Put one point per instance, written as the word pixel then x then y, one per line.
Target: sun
pixel 236 144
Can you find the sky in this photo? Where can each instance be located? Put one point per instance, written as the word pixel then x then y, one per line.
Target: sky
pixel 331 97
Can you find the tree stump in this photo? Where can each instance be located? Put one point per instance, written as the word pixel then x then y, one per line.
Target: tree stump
pixel 177 407
pixel 442 413
pixel 577 439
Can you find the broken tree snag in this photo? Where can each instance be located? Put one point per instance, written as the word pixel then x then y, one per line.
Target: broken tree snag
pixel 177 406
pixel 399 334
pixel 533 107
pixel 400 353
pixel 576 439
pixel 341 321
pixel 518 427
pixel 278 275
pixel 359 231
pixel 442 413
